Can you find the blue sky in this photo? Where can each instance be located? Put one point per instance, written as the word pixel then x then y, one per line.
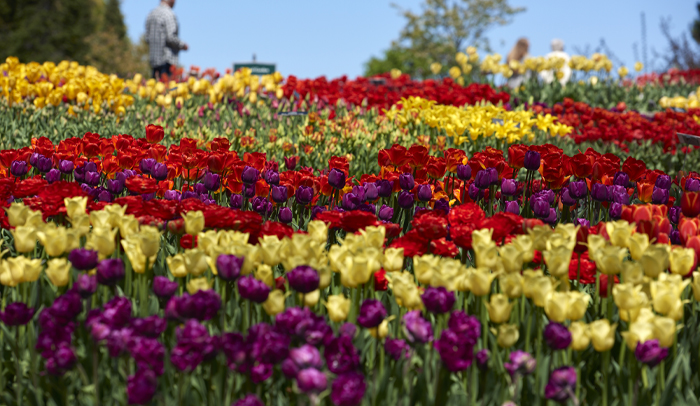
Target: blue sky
pixel 310 38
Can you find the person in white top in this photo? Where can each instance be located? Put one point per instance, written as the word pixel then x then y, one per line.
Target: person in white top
pixel 557 52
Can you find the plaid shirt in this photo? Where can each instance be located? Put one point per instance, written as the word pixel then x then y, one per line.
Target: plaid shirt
pixel 162 36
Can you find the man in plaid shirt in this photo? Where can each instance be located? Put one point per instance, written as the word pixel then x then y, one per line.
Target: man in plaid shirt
pixel 162 38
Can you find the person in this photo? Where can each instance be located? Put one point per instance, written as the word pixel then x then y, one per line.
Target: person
pixel 518 54
pixel 557 52
pixel 162 38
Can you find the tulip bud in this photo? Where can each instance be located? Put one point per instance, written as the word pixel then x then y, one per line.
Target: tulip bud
pixel 508 335
pixel 499 308
pixel 580 336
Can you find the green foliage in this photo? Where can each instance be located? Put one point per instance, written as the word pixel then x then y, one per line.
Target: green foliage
pixel 114 19
pixel 440 30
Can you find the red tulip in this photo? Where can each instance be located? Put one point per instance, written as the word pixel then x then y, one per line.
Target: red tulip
pixel 154 133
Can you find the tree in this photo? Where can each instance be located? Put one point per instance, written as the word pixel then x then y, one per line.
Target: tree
pixel 114 19
pixel 440 30
pixel 682 53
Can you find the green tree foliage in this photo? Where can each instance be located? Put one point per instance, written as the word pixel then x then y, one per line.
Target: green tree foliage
pixel 45 30
pixel 114 19
pixel 695 29
pixel 439 31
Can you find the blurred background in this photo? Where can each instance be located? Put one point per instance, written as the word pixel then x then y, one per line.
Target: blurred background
pixel 310 38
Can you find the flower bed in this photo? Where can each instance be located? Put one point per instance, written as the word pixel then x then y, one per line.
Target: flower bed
pixel 195 273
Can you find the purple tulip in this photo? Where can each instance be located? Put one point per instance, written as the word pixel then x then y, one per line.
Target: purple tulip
pixel 146 165
pixel 475 193
pixel 163 287
pixel 304 195
pixel 311 380
pixel 532 160
pixel 278 193
pixel 512 207
pixel 467 327
pixel 406 200
pixel 397 348
pixel 306 356
pixel 16 314
pixel 53 176
pixel 105 196
pixel 692 185
pixel 348 389
pixel 438 300
pixel 455 355
pixel 482 359
pixel 557 336
pixel 83 259
pixel 253 289
pixel 539 207
pixel 599 192
pixel 261 372
pixel 509 187
pixel 521 363
pixel 582 223
pixel 43 164
pixel 561 385
pixel 286 215
pixel 350 201
pixel 675 237
pixel 18 168
pixel 650 353
pixel 248 191
pixel 250 175
pixel 578 189
pixel 65 166
pixel 464 172
pixel 117 187
pixel 160 172
pixel 659 195
pixel 386 213
pixel 621 179
pixel 483 179
pixel 566 198
pixel 236 201
pixel 92 178
pixel 619 195
pixel 341 355
pixel 336 178
pixel 407 182
pixel 249 400
pixel 151 327
pixel 425 193
pixel 86 285
pixel 371 192
pixel 416 328
pixel 384 187
pixel 372 313
pixel 674 214
pixel 615 211
pixel 62 360
pixel 348 330
pixel 304 279
pixel 663 182
pixel 110 271
pixel 272 178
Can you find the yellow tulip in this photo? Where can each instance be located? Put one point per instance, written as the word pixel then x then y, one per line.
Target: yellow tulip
pixel 101 239
pixel 318 230
pixel 578 304
pixel 508 335
pixel 696 286
pixel 54 241
pixel 511 284
pixel 75 206
pixel 557 261
pixel 619 232
pixel 487 256
pixel 609 259
pixel 100 218
pixel 499 308
pixel 664 330
pixel 628 297
pixel 435 67
pixel 274 304
pixel 265 274
pixel 149 238
pixel 595 243
pixel 128 225
pixel 482 237
pixel 524 244
pixel 208 241
pixel 197 284
pixel 638 66
pixel 638 243
pixel 556 306
pixel 541 288
pixel 382 330
pixel 638 332
pixel 602 334
pixel 632 272
pixel 666 295
pixel 194 222
pixel 270 246
pixel 655 260
pixel 195 261
pixel 682 260
pixel 176 264
pixel 25 238
pixel 58 271
pixel 480 280
pixel 512 258
pixel 81 224
pixel 406 290
pixel 17 214
pixel 539 236
pixel 338 307
pixel 580 336
pixel 393 259
pixel 424 266
pixel 529 276
pixel 116 213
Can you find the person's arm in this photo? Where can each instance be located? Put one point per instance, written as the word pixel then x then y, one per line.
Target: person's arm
pixel 171 38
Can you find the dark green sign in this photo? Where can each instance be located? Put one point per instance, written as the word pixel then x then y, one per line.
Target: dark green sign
pixel 256 68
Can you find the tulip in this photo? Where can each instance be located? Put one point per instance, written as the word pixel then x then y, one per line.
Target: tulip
pixel 509 187
pixel 659 195
pixel 250 175
pixel 663 182
pixel 272 178
pixel 438 300
pixel 520 363
pixel 609 260
pixel 499 308
pixel 692 185
pixel 163 287
pixel 253 289
pixel 416 328
pixel 621 179
pixel 511 285
pixel 539 207
pixel 25 238
pixel 83 259
pixel 291 162
pixel 278 193
pixel 557 336
pixel 483 179
pixel 236 201
pixel 86 285
pixel 580 336
pixel 480 280
pixel 406 200
pixel 599 192
pixel 424 193
pixel 311 380
pixel 65 167
pixel 650 353
pixel 508 335
pixel 336 179
pixel 566 198
pixel 43 164
pixel 602 334
pixel 464 172
pixel 350 202
pixel 110 271
pixel 561 385
pixel 249 400
pixel 285 215
pixel 154 133
pixel 348 389
pixel 532 160
pixel 274 304
pixel 304 279
pixel 578 189
pixel 655 260
pixel 384 187
pixel 406 182
pixel 682 260
pixel 619 195
pixel 304 195
pixel 194 222
pixel 18 168
pixel 372 313
pixel 16 314
pixel 396 349
pixel 475 193
pixel 58 271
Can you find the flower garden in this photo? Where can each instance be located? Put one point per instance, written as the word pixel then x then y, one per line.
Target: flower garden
pixel 243 240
